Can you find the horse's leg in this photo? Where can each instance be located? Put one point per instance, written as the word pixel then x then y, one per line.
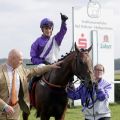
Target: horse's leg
pixel 25 116
pixel 58 118
pixel 44 117
pixel 63 115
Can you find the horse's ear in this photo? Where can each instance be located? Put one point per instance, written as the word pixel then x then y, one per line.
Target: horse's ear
pixel 89 49
pixel 76 48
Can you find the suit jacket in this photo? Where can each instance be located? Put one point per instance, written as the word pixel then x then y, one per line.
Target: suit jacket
pixel 23 91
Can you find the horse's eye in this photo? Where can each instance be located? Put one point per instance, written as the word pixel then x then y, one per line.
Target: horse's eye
pixel 81 62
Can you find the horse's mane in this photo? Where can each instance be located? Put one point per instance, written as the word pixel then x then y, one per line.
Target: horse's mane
pixel 67 54
pixel 64 56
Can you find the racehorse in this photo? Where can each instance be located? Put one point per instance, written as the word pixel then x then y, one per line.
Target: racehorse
pixel 50 89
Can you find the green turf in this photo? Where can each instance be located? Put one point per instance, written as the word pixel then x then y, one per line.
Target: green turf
pixel 117 76
pixel 76 114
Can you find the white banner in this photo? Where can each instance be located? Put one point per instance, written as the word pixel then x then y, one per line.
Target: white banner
pixel 94 25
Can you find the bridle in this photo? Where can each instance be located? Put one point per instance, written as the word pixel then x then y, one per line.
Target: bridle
pixel 77 67
pixel 76 70
pixel 90 90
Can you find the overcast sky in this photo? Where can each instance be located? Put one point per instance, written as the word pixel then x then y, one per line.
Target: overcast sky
pixel 20 19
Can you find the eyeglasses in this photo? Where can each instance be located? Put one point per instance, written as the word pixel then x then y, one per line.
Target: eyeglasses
pixel 99 70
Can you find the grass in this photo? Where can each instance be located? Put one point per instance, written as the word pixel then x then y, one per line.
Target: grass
pixel 76 114
pixel 117 76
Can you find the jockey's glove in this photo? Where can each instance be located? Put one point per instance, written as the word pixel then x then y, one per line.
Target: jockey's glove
pixel 63 17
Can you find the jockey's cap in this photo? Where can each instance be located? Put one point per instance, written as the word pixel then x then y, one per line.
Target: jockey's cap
pixel 46 23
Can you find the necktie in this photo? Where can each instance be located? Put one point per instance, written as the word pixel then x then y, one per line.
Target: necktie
pixel 13 99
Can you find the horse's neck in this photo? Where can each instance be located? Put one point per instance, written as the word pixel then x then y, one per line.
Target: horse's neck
pixel 63 75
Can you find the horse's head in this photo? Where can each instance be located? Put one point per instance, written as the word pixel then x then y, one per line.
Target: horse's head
pixel 76 63
pixel 83 67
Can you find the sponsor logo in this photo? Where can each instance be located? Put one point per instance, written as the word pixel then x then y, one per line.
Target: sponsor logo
pixel 82 42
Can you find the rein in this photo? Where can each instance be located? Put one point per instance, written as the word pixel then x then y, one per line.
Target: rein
pixel 52 85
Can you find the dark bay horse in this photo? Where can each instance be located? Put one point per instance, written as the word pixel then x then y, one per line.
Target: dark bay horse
pixel 50 93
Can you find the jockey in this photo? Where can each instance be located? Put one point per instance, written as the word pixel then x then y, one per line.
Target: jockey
pixel 45 49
